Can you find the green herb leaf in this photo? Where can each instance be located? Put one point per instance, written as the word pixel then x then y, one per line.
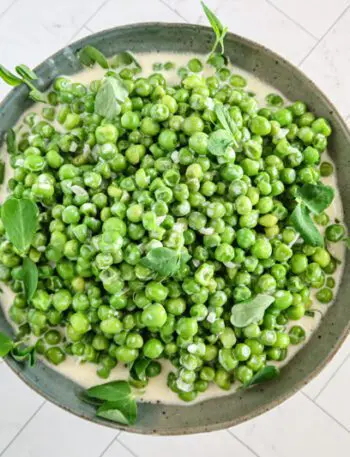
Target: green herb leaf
pixel 226 121
pixel 163 261
pixel 20 219
pixel 8 77
pixel 265 374
pixel 91 401
pixel 111 391
pixel 317 197
pixel 123 412
pixel 11 142
pixel 37 96
pixel 250 311
pixel 219 141
pixel 25 72
pixel 109 96
pixel 22 353
pixel 219 30
pixel 138 370
pixel 303 224
pixel 29 277
pixel 124 59
pixel 6 344
pixel 89 55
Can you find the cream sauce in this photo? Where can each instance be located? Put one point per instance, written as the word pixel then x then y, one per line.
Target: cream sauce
pixel 157 390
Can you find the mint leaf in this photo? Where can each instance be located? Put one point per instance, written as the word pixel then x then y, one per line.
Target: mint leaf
pixel 226 121
pixel 25 72
pixel 8 77
pixel 305 226
pixel 89 55
pixel 6 344
pixel 163 261
pixel 124 59
pixel 123 412
pixel 36 95
pixel 265 374
pixel 219 30
pixel 29 277
pixel 20 219
pixel 250 311
pixel 138 370
pixel 109 96
pixel 22 353
pixel 219 141
pixel 111 391
pixel 317 197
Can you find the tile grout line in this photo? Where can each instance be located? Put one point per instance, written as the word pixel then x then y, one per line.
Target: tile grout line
pixel 323 36
pixel 326 413
pixel 243 443
pixel 331 378
pixel 173 10
pixel 88 20
pixel 8 8
pixel 291 19
pixel 22 428
pixel 110 444
pixel 126 447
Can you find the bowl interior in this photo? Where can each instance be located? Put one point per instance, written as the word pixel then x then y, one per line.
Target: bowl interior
pixel 230 410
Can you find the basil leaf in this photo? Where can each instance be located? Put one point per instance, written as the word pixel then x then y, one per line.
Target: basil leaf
pixel 20 219
pixel 6 344
pixel 11 142
pixel 109 96
pixel 163 261
pixel 124 59
pixel 123 412
pixel 317 197
pixel 219 30
pixel 25 72
pixel 37 96
pixel 250 311
pixel 265 374
pixel 89 55
pixel 111 391
pixel 138 370
pixel 29 277
pixel 303 224
pixel 8 77
pixel 219 141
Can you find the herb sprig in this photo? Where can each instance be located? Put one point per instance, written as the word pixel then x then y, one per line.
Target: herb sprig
pixel 219 30
pixel 25 76
pixel 312 199
pixel 114 400
pixel 16 349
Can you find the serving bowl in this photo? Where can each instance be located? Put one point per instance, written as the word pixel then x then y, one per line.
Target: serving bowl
pixel 221 412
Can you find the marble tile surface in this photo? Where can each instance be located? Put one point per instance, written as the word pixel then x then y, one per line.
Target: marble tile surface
pixel 316 421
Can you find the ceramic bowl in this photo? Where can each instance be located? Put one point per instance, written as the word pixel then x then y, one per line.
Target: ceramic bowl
pixel 230 410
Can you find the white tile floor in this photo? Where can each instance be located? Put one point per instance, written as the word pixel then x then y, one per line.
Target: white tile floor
pixel 316 422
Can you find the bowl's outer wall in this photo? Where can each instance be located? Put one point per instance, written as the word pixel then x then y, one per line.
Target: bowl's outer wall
pixel 225 411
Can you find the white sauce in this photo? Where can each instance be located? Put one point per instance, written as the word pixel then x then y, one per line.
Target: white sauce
pixel 157 390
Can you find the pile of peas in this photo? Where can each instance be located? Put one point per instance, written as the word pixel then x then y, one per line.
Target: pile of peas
pixel 109 191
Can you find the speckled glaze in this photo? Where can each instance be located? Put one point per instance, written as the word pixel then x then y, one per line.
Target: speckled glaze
pixel 226 411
